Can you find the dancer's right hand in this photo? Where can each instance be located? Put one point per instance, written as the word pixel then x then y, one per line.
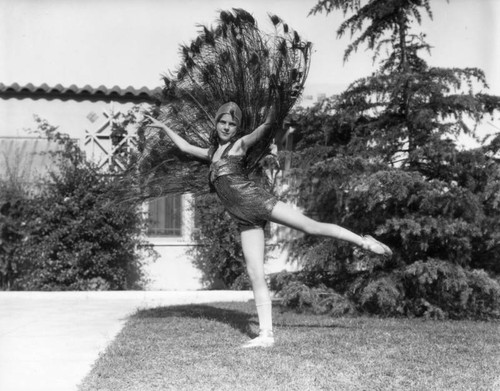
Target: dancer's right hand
pixel 154 122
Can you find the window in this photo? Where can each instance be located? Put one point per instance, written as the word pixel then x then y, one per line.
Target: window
pixel 165 216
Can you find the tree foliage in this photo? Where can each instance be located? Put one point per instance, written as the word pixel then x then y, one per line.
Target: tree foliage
pixel 382 158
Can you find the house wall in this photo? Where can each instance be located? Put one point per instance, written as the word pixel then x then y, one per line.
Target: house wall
pixel 174 269
pixel 70 117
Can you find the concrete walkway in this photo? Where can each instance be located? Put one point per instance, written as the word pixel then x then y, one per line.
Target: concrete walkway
pixel 50 340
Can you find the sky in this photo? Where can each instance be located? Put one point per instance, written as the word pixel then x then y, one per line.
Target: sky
pixel 134 42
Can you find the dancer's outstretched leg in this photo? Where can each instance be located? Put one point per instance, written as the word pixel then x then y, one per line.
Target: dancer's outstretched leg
pixel 253 245
pixel 286 215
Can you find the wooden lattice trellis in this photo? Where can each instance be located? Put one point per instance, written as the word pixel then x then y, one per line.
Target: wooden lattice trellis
pixel 99 142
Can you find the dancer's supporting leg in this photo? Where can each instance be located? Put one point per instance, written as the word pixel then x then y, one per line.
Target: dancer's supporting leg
pixel 286 215
pixel 253 246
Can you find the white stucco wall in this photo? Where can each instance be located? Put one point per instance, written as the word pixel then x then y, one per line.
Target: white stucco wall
pixel 69 116
pixel 173 271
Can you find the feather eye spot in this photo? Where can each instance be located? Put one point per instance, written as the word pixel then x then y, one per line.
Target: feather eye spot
pixel 275 19
pixel 254 59
pixel 244 16
pixel 209 36
pixel 296 37
pixel 224 16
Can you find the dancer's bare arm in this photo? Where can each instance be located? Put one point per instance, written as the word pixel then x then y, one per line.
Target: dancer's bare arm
pixel 182 144
pixel 252 138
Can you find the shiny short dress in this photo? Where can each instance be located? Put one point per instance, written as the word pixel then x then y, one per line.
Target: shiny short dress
pixel 245 201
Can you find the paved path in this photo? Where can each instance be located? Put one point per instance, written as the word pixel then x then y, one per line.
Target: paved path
pixel 50 340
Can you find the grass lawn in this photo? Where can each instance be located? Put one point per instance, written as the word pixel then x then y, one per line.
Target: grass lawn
pixel 196 347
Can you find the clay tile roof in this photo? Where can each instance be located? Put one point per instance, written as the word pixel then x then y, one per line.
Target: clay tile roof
pixel 131 90
pixel 101 88
pixel 30 87
pixel 73 88
pixel 73 92
pixel 117 90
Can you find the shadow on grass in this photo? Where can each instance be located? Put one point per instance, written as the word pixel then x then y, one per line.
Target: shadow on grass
pixel 315 326
pixel 238 320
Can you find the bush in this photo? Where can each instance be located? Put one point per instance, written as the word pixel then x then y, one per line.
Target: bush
pixel 11 242
pixel 452 290
pixel 74 232
pixel 433 289
pixel 319 299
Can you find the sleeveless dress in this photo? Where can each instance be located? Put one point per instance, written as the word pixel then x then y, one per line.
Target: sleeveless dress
pixel 249 204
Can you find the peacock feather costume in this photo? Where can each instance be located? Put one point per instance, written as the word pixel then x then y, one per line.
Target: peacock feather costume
pixel 234 61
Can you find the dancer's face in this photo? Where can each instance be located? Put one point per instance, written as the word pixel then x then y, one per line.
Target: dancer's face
pixel 226 128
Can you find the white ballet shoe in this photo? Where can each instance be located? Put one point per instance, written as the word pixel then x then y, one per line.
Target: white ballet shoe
pixel 373 245
pixel 264 340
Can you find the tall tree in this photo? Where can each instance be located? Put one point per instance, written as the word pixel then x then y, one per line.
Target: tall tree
pixel 406 104
pixel 388 163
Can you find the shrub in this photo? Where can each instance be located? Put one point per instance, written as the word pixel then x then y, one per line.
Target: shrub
pixel 381 295
pixel 454 291
pixel 74 232
pixel 319 299
pixel 11 242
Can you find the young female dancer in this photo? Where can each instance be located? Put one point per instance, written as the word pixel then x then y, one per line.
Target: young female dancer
pixel 252 206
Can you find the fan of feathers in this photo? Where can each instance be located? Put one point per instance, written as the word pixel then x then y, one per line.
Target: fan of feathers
pixel 233 61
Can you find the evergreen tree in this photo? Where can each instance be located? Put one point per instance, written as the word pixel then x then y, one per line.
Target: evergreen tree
pixel 386 162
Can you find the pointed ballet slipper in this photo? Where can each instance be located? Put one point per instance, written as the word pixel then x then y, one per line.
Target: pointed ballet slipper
pixel 373 245
pixel 264 340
